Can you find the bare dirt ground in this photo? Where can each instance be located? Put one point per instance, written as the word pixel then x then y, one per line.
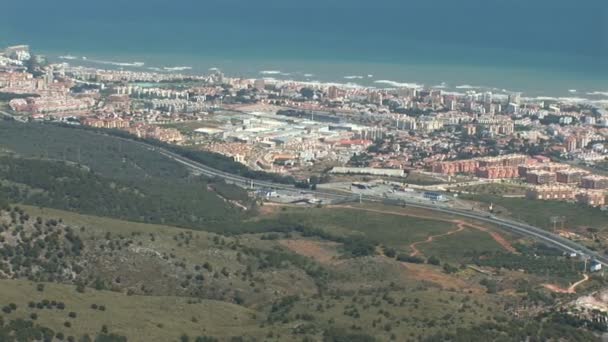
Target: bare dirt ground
pixel 322 252
pixel 268 209
pixel 571 289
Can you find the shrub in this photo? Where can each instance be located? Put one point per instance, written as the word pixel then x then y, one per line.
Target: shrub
pixel 410 259
pixel 433 260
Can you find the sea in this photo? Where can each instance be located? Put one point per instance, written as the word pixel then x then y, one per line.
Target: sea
pixel 542 48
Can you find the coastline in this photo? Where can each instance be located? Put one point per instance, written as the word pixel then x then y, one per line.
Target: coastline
pixel 452 79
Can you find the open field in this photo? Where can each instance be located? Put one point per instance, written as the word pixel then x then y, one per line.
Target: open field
pixel 539 213
pixel 418 178
pixel 458 246
pixel 390 230
pixel 140 318
pixel 497 189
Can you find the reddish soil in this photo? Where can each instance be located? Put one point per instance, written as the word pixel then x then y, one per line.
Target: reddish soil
pixel 268 209
pixel 571 289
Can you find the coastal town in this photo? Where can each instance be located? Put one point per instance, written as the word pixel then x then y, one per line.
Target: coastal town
pixel 552 150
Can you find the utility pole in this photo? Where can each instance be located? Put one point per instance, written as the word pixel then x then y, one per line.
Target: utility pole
pixel 554 220
pixel 585 269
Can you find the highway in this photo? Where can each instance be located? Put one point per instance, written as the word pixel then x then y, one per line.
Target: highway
pixel 539 234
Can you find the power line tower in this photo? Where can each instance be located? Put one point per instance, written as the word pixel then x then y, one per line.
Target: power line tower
pixel 585 267
pixel 554 220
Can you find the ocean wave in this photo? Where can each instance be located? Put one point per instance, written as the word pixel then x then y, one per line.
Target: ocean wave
pixel 370 76
pixel 572 91
pixel 598 93
pixel 453 93
pixel 214 69
pixel 270 72
pixel 398 84
pixel 320 84
pixel 468 86
pixel 124 64
pixel 68 57
pixel 177 68
pixel 442 85
pixel 558 99
pixel 353 77
pixel 308 75
pixel 503 97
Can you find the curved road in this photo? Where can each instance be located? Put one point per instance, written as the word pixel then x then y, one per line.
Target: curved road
pixel 514 226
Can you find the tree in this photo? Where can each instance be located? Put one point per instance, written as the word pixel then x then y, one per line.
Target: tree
pixel 410 259
pixel 358 246
pixel 433 260
pixel 447 268
pixel 307 93
pixel 390 252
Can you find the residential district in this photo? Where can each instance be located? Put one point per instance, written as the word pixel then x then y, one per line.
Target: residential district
pixel 312 131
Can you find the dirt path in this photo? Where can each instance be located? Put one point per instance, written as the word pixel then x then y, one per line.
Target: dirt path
pixel 416 251
pixel 496 236
pixel 571 289
pixel 233 202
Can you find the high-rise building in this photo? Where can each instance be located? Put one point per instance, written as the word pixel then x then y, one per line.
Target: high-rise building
pixel 541 177
pixel 259 84
pixel 594 182
pixel 407 92
pixel 451 103
pixel 487 97
pixel 375 98
pixel 570 143
pixel 515 98
pixel 332 92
